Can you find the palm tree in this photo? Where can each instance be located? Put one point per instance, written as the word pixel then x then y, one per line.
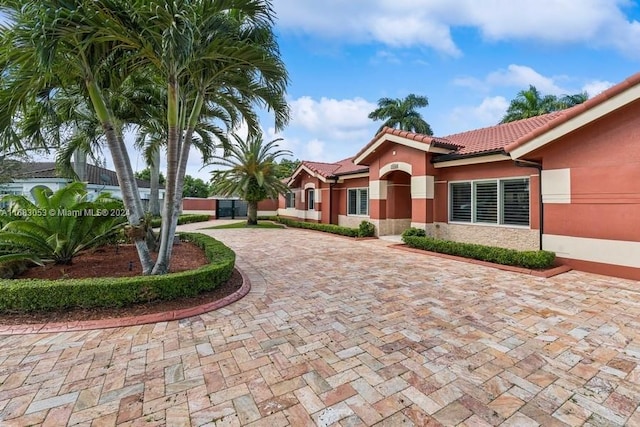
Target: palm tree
pixel 530 103
pixel 251 172
pixel 223 54
pixel 568 101
pixel 54 46
pixel 402 114
pixel 207 54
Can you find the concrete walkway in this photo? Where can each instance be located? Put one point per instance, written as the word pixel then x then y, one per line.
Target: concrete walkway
pixel 348 333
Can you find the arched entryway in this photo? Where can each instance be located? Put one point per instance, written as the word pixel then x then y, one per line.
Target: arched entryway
pixel 399 203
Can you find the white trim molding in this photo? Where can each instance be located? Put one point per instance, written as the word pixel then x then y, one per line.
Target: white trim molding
pixel 378 190
pixel 301 168
pixel 422 187
pixel 395 166
pixel 614 252
pixel 556 186
pixel 473 160
pixel 422 146
pixel 342 178
pixel 624 98
pixel 407 142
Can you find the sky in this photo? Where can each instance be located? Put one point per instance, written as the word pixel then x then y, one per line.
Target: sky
pixel 468 57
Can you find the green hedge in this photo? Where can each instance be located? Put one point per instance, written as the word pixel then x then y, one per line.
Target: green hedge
pixel 183 219
pixel 526 259
pixel 363 231
pixel 27 295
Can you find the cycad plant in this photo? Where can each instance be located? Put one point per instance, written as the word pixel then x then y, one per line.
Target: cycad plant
pixel 58 225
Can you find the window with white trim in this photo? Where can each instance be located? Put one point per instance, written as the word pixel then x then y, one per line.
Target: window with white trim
pixel 310 199
pixel 358 201
pixel 290 200
pixel 501 201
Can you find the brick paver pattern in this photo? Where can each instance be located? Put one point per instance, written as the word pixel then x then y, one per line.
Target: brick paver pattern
pixel 338 332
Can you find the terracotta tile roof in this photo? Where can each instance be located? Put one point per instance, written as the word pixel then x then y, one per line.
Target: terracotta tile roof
pixel 496 137
pixel 575 111
pixel 95 174
pixel 342 167
pixel 507 136
pixel 427 139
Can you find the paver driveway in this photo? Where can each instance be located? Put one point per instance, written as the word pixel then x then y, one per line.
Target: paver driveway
pixel 342 332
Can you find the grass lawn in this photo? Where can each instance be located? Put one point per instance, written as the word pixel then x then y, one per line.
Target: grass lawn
pixel 243 224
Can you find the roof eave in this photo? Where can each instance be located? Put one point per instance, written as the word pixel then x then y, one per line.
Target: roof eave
pixel 387 135
pixel 593 109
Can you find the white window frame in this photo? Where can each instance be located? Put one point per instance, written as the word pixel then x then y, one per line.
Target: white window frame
pixel 500 214
pixel 311 202
pixel 290 199
pixel 359 192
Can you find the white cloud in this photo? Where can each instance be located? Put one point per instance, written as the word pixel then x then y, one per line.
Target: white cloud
pixel 593 88
pixel 315 149
pixel 522 76
pixel 328 129
pixel 328 113
pixel 428 23
pixel 488 113
pixel 519 77
pixel 385 56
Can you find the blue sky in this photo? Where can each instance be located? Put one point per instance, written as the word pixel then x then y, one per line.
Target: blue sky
pixel 468 57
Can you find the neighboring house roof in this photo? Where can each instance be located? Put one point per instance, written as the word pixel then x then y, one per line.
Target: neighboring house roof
pixel 95 174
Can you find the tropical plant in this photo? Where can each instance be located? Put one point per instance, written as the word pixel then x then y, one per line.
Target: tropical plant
pixel 531 103
pixel 58 225
pixel 211 55
pixel 250 172
pixel 286 168
pixel 145 175
pixel 195 187
pixel 401 114
pixel 568 101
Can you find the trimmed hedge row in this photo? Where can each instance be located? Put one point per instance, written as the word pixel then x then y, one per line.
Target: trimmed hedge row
pixel 366 229
pixel 182 219
pixel 28 295
pixel 526 259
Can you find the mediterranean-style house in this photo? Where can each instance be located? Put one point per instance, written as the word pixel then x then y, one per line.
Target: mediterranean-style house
pixel 567 182
pixel 44 174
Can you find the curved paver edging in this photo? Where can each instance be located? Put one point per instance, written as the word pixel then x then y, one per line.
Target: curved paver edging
pixel 550 272
pixel 133 320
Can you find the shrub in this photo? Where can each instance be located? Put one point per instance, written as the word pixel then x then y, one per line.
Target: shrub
pixel 366 229
pixel 526 259
pixel 27 295
pixel 413 231
pixel 182 219
pixel 328 228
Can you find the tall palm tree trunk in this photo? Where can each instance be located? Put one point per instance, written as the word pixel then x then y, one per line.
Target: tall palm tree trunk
pixel 154 193
pixel 124 172
pixel 252 213
pixel 167 231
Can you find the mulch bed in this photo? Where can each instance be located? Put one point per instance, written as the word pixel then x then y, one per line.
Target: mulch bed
pixel 112 262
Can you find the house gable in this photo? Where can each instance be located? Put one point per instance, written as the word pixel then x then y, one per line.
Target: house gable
pixel 577 117
pixel 416 141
